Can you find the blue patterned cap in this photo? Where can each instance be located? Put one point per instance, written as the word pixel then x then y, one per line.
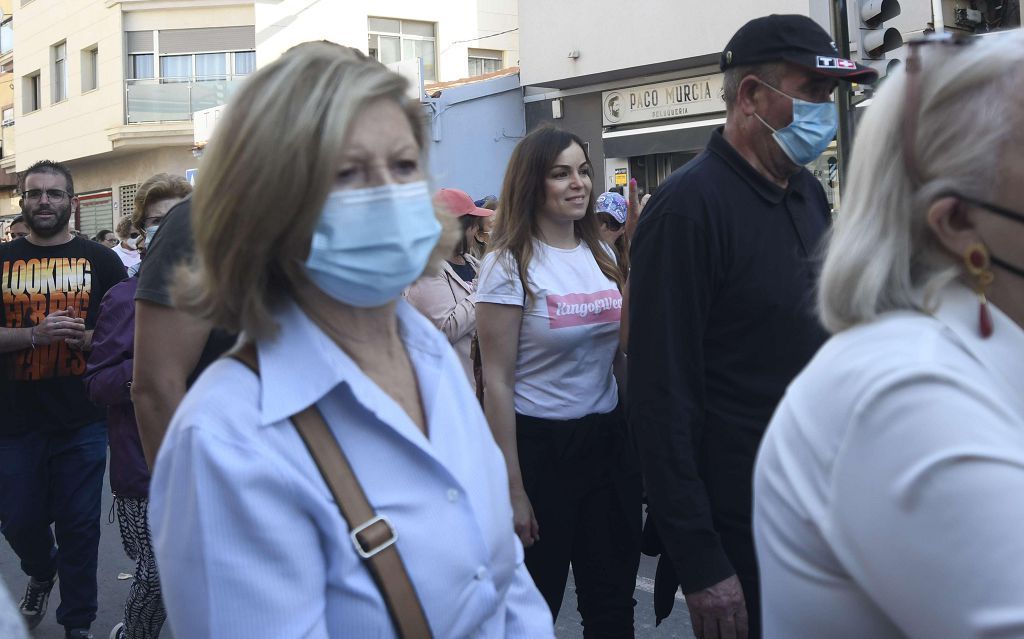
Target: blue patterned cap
pixel 613 204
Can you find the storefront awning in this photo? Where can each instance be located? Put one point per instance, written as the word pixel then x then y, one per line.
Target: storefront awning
pixel 664 138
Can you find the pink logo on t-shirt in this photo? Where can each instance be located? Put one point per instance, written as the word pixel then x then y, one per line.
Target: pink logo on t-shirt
pixel 582 309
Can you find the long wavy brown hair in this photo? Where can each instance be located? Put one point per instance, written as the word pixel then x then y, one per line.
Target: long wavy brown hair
pixel 522 197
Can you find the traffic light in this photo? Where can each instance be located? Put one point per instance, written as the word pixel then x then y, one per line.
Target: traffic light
pixel 875 39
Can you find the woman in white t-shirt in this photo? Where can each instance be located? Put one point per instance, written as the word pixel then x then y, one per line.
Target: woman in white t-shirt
pixel 548 311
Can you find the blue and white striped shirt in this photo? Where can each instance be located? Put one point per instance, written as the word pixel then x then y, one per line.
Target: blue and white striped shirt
pixel 247 536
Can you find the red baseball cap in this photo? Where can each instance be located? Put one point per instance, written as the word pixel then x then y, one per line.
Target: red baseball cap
pixel 459 203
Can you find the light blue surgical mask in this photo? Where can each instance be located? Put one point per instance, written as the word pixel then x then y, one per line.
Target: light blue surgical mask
pixel 370 244
pixel 813 128
pixel 150 232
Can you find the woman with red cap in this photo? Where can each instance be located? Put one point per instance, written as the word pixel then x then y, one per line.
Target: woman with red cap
pixel 448 298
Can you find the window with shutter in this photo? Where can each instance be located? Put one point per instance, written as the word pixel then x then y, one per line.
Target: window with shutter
pixel 96 212
pixel 209 39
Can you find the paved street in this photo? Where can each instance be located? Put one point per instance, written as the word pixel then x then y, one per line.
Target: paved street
pixel 676 626
pixel 113 591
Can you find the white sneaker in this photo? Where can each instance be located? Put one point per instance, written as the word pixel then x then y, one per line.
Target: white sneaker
pixel 118 631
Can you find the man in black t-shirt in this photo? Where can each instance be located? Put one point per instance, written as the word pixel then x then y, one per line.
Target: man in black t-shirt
pixel 52 438
pixel 171 346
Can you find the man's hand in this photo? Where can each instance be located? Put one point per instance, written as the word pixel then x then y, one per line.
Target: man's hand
pixel 719 612
pixel 83 343
pixel 59 325
pixel 523 518
pixel 632 210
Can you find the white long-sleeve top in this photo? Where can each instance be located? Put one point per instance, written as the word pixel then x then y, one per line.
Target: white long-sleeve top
pixel 249 540
pixel 888 486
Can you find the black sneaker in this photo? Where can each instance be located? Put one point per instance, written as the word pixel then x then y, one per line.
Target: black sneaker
pixel 78 633
pixel 33 604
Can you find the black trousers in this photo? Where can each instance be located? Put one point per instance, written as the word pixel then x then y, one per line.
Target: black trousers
pixel 583 480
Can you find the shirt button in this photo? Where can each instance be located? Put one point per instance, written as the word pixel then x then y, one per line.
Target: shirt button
pixel 481 572
pixel 453 495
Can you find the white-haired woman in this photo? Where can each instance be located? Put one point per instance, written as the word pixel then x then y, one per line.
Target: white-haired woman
pixel 887 488
pixel 306 251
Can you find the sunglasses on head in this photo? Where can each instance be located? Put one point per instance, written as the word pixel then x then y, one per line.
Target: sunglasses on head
pixel 912 101
pixel 912 113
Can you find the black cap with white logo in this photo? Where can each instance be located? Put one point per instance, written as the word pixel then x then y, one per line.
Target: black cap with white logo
pixel 796 39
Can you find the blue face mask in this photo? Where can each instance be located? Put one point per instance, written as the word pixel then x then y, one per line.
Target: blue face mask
pixel 812 130
pixel 370 244
pixel 150 232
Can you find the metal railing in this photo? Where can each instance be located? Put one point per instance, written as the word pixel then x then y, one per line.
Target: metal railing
pixel 176 99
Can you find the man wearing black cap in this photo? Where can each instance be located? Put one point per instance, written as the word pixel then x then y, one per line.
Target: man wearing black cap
pixel 722 311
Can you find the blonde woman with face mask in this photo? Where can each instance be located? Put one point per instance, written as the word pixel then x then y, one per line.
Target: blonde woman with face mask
pixel 306 252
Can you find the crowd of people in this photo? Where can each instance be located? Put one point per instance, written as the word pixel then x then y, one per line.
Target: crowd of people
pixel 338 404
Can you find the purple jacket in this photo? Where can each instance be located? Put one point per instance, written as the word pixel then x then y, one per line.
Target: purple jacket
pixel 107 380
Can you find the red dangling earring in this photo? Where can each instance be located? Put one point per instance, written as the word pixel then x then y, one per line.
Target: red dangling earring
pixel 977 261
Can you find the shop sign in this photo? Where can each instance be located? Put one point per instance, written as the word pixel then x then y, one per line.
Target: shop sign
pixel 621 176
pixel 675 99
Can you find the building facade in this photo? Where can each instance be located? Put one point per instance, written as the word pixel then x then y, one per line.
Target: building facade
pixel 109 88
pixel 8 179
pixel 642 86
pixel 460 56
pixel 453 39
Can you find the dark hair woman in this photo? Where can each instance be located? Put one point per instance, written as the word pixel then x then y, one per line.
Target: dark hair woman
pixel 548 309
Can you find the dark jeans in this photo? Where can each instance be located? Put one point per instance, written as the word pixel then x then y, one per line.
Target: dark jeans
pixel 584 483
pixel 56 478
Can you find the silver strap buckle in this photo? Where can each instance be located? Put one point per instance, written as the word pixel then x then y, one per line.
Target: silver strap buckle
pixel 367 553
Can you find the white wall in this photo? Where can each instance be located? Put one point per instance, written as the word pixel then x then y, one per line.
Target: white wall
pixel 611 34
pixel 281 25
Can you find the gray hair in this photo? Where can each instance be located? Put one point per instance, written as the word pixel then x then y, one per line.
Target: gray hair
pixel 882 255
pixel 769 72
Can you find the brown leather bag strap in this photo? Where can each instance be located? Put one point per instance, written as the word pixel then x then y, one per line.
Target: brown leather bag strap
pixel 372 535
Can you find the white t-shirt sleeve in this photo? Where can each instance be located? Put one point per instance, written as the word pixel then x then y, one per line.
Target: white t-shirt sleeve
pixel 498 282
pixel 926 509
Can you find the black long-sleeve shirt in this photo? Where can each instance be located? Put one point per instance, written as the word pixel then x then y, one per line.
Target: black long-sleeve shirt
pixel 722 319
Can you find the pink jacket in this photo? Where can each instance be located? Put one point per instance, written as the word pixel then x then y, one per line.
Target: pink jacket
pixel 449 302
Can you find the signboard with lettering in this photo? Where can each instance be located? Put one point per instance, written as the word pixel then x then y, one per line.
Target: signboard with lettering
pixel 674 99
pixel 621 175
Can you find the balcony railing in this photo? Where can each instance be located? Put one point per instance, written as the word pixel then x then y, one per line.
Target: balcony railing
pixel 176 99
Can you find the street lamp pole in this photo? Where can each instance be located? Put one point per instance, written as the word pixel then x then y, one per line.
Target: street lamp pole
pixel 841 35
